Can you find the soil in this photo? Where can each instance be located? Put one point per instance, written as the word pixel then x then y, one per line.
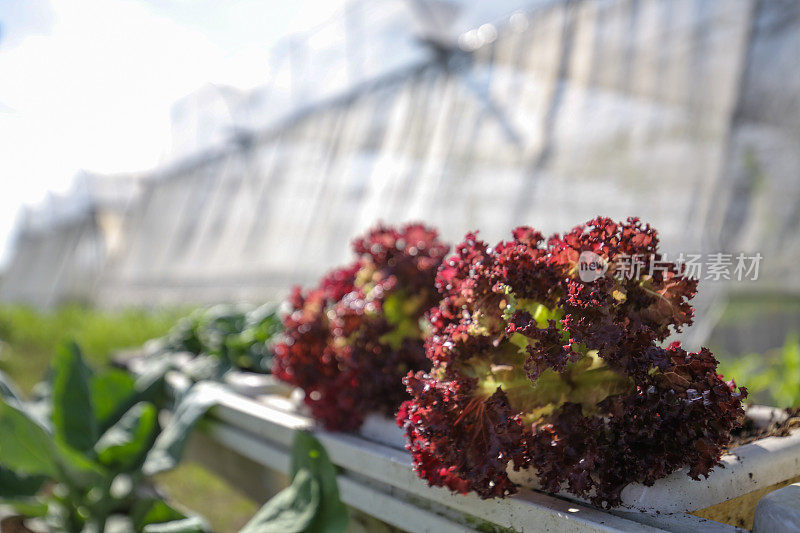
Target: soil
pixel 750 432
pixel 14 524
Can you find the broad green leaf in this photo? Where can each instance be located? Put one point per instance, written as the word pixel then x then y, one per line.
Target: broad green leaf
pixel 25 447
pixel 125 444
pixel 13 485
pixel 153 511
pixel 193 524
pixel 116 391
pixel 112 395
pixel 290 511
pixel 40 404
pixel 11 394
pixel 73 414
pixel 8 390
pixel 151 385
pixel 27 506
pixel 309 454
pixel 80 469
pixel 169 446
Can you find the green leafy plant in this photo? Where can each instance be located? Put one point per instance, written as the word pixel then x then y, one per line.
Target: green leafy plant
pixel 75 458
pixel 232 336
pixel 311 503
pixel 774 377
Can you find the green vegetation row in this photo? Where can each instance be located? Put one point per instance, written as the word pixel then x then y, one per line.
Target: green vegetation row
pixel 82 454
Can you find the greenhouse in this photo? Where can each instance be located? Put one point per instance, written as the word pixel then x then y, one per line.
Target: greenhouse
pixel 453 266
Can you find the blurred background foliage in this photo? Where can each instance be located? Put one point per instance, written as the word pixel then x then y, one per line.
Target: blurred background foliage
pixel 28 340
pixel 757 343
pixel 772 378
pixel 29 336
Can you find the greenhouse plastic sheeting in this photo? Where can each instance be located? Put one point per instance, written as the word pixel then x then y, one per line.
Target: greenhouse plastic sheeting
pixel 684 113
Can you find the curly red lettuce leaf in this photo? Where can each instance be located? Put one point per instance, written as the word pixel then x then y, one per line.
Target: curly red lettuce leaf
pixel 459 439
pixel 522 341
pixel 349 342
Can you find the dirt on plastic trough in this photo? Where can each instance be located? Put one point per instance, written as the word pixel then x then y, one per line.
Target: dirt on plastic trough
pixel 751 431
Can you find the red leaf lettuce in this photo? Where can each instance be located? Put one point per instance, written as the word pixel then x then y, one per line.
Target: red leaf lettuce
pixel 535 367
pixel 349 341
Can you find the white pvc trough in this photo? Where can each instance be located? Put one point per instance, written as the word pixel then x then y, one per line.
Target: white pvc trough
pixel 746 469
pixel 378 478
pixel 383 430
pixel 755 466
pixel 779 511
pixel 252 385
pixel 376 467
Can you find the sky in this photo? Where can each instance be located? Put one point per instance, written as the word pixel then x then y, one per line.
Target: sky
pixel 88 84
